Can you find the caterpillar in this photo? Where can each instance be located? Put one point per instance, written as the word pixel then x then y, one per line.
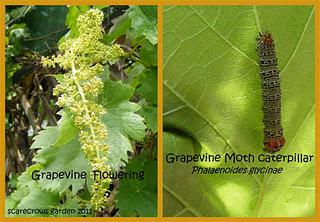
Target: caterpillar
pixel 271 93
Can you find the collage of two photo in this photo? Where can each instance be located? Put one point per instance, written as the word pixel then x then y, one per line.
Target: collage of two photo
pixel 161 111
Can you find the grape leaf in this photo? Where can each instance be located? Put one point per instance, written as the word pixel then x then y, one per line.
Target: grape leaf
pixel 68 157
pixel 135 74
pixel 56 135
pixel 45 138
pixel 120 27
pixel 143 24
pixel 27 194
pixel 24 185
pixel 180 200
pixel 100 6
pixel 139 197
pixel 19 31
pixel 121 120
pixel 148 88
pixel 150 113
pixel 61 151
pixel 71 203
pixel 73 13
pixel 67 129
pixel 25 180
pixel 149 11
pixel 212 93
pixel 30 195
pixel 71 21
pixel 148 53
pixel 39 199
pixel 19 11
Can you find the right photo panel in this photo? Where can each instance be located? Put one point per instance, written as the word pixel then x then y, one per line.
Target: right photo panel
pixel 238 111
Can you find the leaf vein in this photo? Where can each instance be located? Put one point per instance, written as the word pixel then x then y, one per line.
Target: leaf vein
pixel 224 39
pixel 299 42
pixel 256 18
pixel 181 200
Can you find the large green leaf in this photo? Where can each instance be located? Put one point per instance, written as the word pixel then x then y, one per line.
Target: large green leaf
pixel 121 121
pixel 150 113
pixel 39 199
pixel 68 158
pixel 24 185
pixel 120 27
pixel 138 197
pixel 148 88
pixel 67 129
pixel 60 150
pixel 30 196
pixel 40 202
pixel 212 94
pixel 45 138
pixel 190 200
pixel 144 22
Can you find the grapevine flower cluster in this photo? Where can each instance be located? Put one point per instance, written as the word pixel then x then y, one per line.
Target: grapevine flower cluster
pixel 83 57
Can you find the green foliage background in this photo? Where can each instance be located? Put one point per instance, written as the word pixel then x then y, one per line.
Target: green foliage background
pixel 131 119
pixel 212 101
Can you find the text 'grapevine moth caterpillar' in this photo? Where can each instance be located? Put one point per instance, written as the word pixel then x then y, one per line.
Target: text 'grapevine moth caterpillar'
pixel 271 93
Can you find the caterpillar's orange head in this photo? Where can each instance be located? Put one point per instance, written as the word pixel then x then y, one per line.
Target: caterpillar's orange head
pixel 266 38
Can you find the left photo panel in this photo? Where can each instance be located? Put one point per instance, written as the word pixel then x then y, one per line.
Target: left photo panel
pixel 81 111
